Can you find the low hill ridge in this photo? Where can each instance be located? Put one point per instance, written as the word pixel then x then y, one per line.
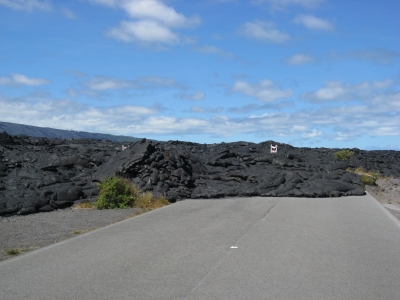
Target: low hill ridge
pixel 36 131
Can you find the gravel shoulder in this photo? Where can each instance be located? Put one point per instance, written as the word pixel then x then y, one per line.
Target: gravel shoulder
pixel 38 230
pixel 34 231
pixel 387 192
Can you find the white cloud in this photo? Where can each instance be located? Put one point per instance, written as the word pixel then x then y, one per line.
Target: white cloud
pixel 27 5
pixel 299 128
pixel 257 107
pixel 312 22
pixel 158 11
pixel 101 83
pixel 337 91
pixel 209 49
pixel 168 125
pixel 263 91
pixel 377 84
pixel 196 108
pixel 299 59
pixel 18 79
pixel 264 31
pixel 195 96
pixel 332 92
pixel 152 22
pixel 345 136
pixel 199 109
pixel 72 92
pixel 384 131
pixel 314 133
pixel 222 1
pixel 220 126
pixel 67 114
pixel 391 101
pixel 68 13
pixel 308 125
pixel 213 50
pixel 153 81
pixel 143 31
pixel 281 4
pixel 378 117
pixel 111 3
pixel 377 55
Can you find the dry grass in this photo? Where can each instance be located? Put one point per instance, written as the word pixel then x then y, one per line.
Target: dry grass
pixel 137 214
pixel 78 231
pixel 361 171
pixel 14 251
pixel 84 205
pixel 147 201
pixel 18 251
pixel 367 177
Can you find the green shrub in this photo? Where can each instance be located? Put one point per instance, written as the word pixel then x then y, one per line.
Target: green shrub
pixel 367 180
pixel 116 192
pixel 343 154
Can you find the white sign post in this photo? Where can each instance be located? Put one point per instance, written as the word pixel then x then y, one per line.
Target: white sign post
pixel 274 149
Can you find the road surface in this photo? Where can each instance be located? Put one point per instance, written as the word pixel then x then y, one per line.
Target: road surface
pixel 237 248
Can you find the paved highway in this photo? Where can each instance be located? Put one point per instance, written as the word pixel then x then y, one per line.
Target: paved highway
pixel 238 248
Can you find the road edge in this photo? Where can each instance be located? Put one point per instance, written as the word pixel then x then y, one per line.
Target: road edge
pixel 385 210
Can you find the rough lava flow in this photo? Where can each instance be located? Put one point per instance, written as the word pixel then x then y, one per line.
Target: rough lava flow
pixel 41 174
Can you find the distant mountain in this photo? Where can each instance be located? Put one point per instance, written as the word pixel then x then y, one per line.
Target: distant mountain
pixel 35 131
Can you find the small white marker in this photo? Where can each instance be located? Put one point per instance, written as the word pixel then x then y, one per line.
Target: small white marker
pixel 234 247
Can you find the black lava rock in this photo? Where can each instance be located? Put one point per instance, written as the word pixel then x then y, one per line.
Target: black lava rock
pixel 40 174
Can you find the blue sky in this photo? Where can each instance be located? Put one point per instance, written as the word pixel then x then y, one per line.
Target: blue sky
pixel 311 73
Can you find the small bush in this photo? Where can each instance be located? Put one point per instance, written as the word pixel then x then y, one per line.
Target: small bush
pixel 116 192
pixel 367 180
pixel 343 154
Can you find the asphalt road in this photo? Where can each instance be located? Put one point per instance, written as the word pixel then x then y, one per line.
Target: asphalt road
pixel 238 248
